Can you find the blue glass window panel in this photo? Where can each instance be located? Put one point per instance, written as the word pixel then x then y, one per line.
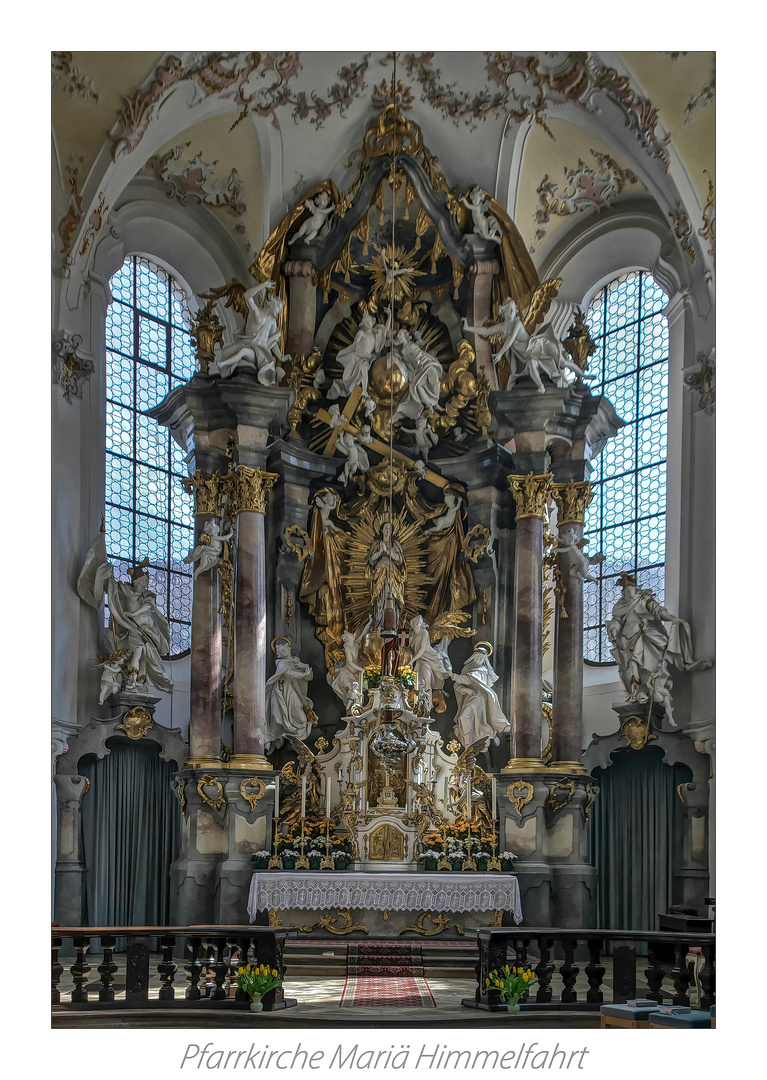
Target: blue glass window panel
pixel 151 441
pixel 618 498
pixel 153 342
pixel 151 289
pixel 653 578
pixel 651 484
pixel 181 505
pixel 119 487
pixel 591 649
pixel 179 309
pixel 151 539
pixel 651 542
pixel 121 283
pixel 622 300
pixel 620 352
pixel 652 441
pixel 182 543
pixel 151 387
pixel 180 634
pixel 119 530
pixel 183 357
pixel 152 490
pixel 618 547
pixel 119 328
pixel 178 458
pixel 119 429
pixel 595 314
pixel 120 378
pixel 653 389
pixel 654 299
pixel 653 339
pixel 619 455
pixel 158 584
pixel 623 394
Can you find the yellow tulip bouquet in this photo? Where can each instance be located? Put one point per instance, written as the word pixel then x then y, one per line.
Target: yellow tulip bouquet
pixel 511 983
pixel 257 981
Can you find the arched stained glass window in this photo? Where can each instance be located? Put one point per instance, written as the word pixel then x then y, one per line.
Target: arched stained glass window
pixel 148 513
pixel 627 517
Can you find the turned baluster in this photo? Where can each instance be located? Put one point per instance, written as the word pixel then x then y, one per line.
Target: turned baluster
pixel 239 958
pixel 544 970
pixel 107 969
pixel 80 968
pixel 569 972
pixel 594 971
pixel 167 968
pixel 708 976
pixel 193 968
pixel 207 963
pixel 492 957
pixel 56 970
pixel 681 976
pixel 654 973
pixel 220 969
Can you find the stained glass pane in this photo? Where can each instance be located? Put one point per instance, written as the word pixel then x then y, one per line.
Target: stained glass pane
pixel 148 514
pixel 626 520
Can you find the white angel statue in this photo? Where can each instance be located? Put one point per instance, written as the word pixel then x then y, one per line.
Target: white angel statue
pixel 511 326
pixel 350 444
pixel 573 560
pixel 425 437
pixel 210 547
pixel 111 674
pixel 486 224
pixel 320 208
pixel 430 659
pixel 258 344
pixel 356 359
pixel 479 711
pixel 346 682
pixel 289 710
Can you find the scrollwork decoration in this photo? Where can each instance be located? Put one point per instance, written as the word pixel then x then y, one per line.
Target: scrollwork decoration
pixel 560 795
pixel 251 796
pixel 519 794
pixel 211 781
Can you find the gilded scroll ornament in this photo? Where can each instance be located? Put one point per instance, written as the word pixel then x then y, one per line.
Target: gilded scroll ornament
pixel 179 790
pixel 347 926
pixel 441 922
pixel 591 794
pixel 207 491
pixel 520 793
pixel 252 790
pixel 207 332
pixel 530 494
pixel 70 370
pixel 636 732
pixel 249 488
pixel 475 543
pixel 136 722
pixel 572 500
pixel 211 781
pixel 273 920
pixel 302 546
pixel 560 794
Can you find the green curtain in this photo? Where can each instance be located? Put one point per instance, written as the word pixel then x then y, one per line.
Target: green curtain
pixel 637 838
pixel 131 824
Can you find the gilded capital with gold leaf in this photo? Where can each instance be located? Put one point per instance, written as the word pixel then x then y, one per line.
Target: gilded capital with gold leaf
pixel 249 489
pixel 572 500
pixel 207 490
pixel 530 494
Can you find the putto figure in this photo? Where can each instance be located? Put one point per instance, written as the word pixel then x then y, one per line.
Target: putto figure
pixel 486 224
pixel 320 208
pixel 207 553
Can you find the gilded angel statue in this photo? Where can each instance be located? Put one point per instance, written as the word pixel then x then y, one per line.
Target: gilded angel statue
pixel 293 774
pixel 465 772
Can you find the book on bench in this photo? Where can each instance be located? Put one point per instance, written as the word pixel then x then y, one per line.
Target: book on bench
pixel 642 1003
pixel 671 1010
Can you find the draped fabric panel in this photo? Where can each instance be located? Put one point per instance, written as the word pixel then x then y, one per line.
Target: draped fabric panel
pixel 131 825
pixel 637 838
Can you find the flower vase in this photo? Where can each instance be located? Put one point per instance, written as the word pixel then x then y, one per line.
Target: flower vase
pixel 340 864
pixel 314 862
pixel 513 1006
pixel 289 864
pixel 257 1005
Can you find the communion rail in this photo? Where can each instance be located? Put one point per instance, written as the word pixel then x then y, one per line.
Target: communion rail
pixel 214 953
pixel 549 950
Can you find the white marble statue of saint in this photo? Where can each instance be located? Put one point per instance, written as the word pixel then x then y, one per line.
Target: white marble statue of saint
pixel 137 626
pixel 289 710
pixel 346 680
pixel 543 353
pixel 478 710
pixel 356 359
pixel 424 377
pixel 643 647
pixel 573 560
pixel 208 551
pixel 350 444
pixel 425 661
pixel 258 345
pixel 320 208
pixel 486 224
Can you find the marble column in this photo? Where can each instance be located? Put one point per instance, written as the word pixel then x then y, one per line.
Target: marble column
pixel 206 659
pixel 572 499
pixel 249 489
pixel 530 494
pixel 481 278
pixel 302 307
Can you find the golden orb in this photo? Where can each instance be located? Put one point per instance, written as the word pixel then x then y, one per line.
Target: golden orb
pixel 385 379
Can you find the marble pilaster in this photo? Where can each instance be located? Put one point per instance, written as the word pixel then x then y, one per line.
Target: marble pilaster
pixel 481 278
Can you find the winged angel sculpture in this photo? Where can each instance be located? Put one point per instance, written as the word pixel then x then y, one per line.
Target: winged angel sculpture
pixel 465 772
pixel 294 774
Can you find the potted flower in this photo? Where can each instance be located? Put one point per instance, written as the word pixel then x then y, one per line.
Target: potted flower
pixel 406 677
pixel 431 846
pixel 341 859
pixel 261 859
pixel 372 677
pixel 511 984
pixel 342 851
pixel 507 860
pixel 482 856
pixel 257 981
pixel 289 858
pixel 314 856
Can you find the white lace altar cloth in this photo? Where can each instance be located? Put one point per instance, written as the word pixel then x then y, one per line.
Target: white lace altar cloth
pixel 434 891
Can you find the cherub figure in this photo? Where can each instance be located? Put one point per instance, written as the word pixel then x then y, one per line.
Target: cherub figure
pixel 574 561
pixel 425 438
pixel 320 208
pixel 486 224
pixel 111 675
pixel 351 445
pixel 208 551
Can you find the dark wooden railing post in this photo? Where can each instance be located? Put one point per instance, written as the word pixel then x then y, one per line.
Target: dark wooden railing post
pixel 107 968
pixel 624 970
pixel 80 968
pixel 194 967
pixel 681 975
pixel 56 970
pixel 568 971
pixel 237 959
pixel 594 971
pixel 220 969
pixel 137 970
pixel 167 968
pixel 544 970
pixel 654 972
pixel 708 975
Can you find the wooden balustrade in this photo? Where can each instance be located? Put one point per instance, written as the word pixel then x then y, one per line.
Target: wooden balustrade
pixel 210 956
pixel 551 951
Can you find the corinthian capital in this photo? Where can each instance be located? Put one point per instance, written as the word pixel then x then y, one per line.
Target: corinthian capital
pixel 207 490
pixel 572 499
pixel 530 493
pixel 249 488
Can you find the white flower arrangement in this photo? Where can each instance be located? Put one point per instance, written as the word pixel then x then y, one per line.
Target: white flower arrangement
pixel 508 855
pixel 288 854
pixel 261 854
pixel 483 854
pixel 340 855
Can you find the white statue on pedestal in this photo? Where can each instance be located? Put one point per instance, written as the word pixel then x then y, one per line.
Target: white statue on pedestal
pixel 486 224
pixel 320 208
pixel 346 682
pixel 643 647
pixel 356 359
pixel 573 560
pixel 426 662
pixel 425 437
pixel 258 345
pixel 479 712
pixel 138 628
pixel 289 710
pixel 424 376
pixel 350 444
pixel 208 551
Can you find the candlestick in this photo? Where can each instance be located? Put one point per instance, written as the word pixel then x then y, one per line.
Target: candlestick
pixel 276 798
pixel 492 798
pixel 303 797
pixel 468 800
pixel 327 798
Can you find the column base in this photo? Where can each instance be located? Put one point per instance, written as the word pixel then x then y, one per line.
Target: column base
pixel 248 761
pixel 567 767
pixel 525 764
pixel 203 761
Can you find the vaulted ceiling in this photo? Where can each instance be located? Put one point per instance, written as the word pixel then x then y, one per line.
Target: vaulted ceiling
pixel 553 137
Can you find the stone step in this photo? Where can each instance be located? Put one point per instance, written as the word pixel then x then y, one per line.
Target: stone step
pixel 328 958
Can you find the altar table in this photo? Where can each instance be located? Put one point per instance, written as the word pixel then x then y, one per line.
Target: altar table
pixel 286 890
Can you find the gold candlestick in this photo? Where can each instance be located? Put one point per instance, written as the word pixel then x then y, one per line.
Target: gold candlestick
pixel 495 862
pixel 443 863
pixel 469 863
pixel 302 863
pixel 275 863
pixel 326 862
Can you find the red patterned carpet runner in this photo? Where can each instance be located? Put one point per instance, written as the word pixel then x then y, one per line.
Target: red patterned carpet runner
pixel 386 974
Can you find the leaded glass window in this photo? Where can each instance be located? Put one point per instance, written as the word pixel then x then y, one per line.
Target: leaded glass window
pixel 148 513
pixel 626 520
